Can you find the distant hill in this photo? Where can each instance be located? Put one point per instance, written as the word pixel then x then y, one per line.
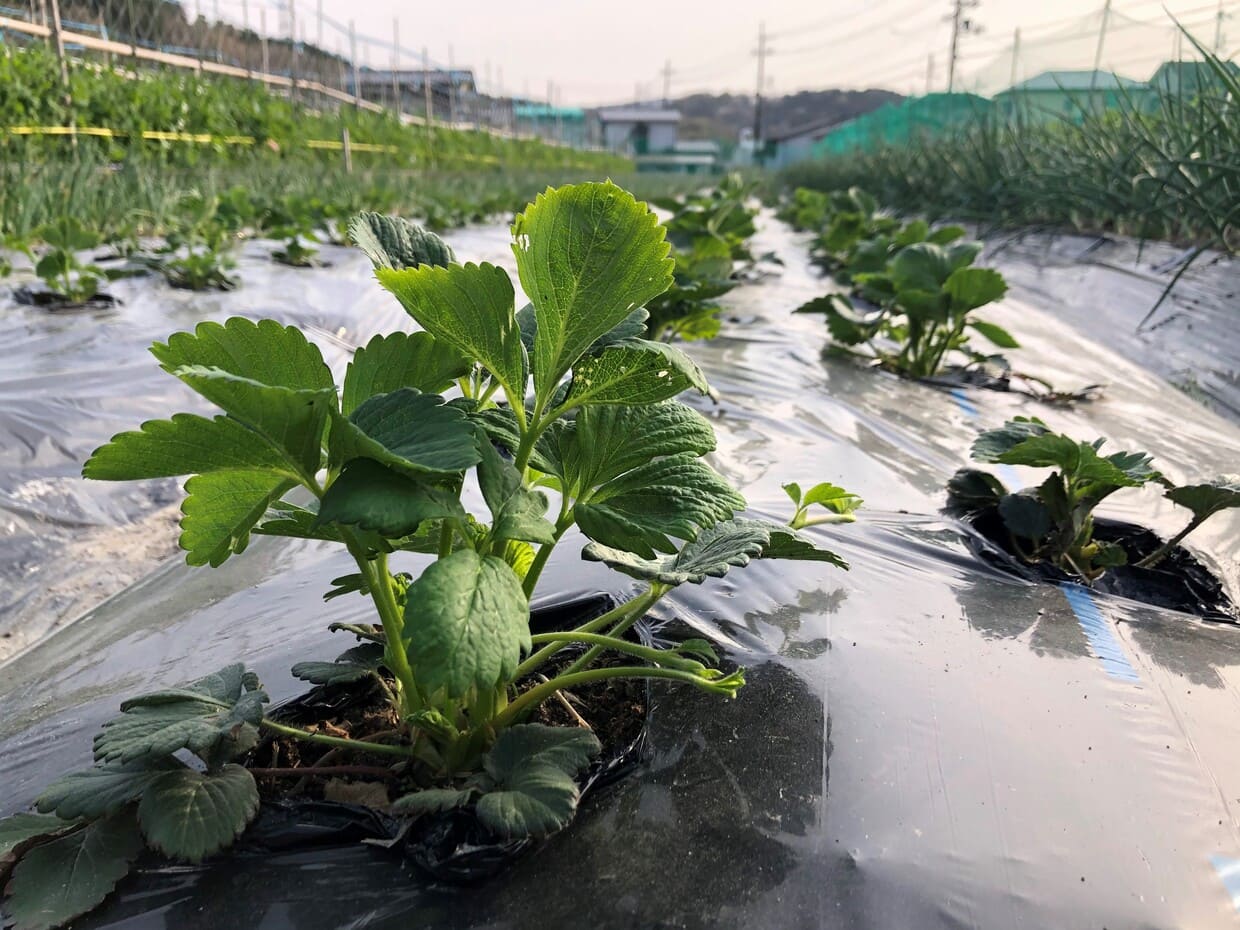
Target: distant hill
pixel 722 116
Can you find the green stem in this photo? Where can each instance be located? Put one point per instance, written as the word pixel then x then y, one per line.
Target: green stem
pixel 662 657
pixel 545 550
pixel 379 582
pixel 355 745
pixel 616 614
pixel 1165 549
pixel 536 695
pixel 637 611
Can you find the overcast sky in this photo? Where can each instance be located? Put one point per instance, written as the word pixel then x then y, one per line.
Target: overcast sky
pixel 598 52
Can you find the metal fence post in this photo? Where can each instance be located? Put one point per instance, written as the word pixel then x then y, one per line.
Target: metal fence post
pixel 133 33
pixel 347 149
pixel 292 37
pixel 396 66
pixel 262 39
pixel 103 34
pixel 357 83
pixel 58 41
pixel 426 84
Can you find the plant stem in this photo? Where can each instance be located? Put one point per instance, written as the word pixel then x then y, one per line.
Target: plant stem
pixel 323 770
pixel 616 615
pixel 337 742
pixel 539 693
pixel 649 653
pixel 619 629
pixel 1165 549
pixel 379 582
pixel 545 550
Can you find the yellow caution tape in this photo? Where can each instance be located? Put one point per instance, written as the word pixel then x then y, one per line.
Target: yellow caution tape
pixel 197 137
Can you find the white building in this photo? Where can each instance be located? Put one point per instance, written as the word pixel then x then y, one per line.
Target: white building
pixel 636 129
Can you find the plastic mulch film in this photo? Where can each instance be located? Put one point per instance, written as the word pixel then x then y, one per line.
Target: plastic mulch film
pixel 925 741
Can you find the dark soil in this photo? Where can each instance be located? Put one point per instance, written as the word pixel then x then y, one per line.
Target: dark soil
pixel 58 303
pixel 615 711
pixel 1179 582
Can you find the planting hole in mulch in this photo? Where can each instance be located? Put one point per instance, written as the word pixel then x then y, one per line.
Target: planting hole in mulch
pixel 1179 582
pixel 58 303
pixel 315 795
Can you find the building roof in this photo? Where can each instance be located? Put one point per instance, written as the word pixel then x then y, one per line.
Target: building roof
pixel 413 77
pixel 542 111
pixel 1074 81
pixel 814 129
pixel 1197 72
pixel 637 114
pixel 697 146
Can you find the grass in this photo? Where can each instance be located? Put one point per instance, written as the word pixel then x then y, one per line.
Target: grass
pixel 1168 171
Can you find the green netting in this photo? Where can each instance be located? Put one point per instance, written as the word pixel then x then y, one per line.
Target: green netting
pixel 915 116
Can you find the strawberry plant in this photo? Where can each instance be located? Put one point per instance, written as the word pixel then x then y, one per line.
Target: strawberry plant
pixel 197 254
pixel 922 305
pixel 709 232
pixel 296 254
pixel 565 417
pixel 1054 522
pixel 67 277
pixel 688 309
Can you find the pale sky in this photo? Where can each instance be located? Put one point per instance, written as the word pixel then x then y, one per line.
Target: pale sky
pixel 597 52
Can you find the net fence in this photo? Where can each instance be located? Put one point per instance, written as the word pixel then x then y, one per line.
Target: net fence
pixel 294 48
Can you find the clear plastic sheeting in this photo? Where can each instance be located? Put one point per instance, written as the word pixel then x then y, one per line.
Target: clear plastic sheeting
pixel 922 742
pixel 1108 287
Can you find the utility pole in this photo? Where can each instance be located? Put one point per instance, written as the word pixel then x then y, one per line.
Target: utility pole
pixel 929 72
pixel 762 52
pixel 262 39
pixel 959 25
pixel 1015 57
pixel 292 37
pixel 1218 30
pixel 1102 34
pixel 396 65
pixel 667 82
pixel 357 83
pixel 318 35
pixel 451 87
pixel 426 84
pixel 245 30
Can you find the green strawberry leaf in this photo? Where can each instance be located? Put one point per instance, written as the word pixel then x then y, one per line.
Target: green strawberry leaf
pixel 588 256
pixel 415 434
pixel 63 879
pixel 189 814
pixel 467 623
pixel 470 308
pixel 400 360
pixel 394 242
pixel 368 495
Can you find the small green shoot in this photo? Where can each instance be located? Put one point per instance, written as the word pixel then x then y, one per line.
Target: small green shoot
pixel 840 505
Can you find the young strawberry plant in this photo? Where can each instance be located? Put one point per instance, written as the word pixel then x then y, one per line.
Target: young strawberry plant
pixel 709 233
pixel 840 505
pixel 688 309
pixel 198 252
pixel 566 417
pixel 923 302
pixel 68 279
pixel 296 253
pixel 1054 522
